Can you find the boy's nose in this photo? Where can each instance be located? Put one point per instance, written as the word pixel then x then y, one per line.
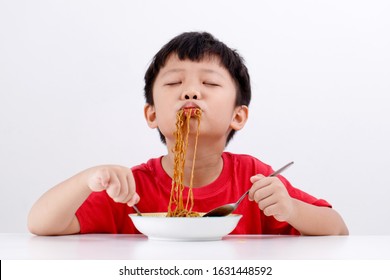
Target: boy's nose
pixel 191 94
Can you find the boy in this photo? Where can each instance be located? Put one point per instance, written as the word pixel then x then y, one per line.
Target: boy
pixel 193 70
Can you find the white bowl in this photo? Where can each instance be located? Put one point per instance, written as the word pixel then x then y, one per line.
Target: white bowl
pixel 157 226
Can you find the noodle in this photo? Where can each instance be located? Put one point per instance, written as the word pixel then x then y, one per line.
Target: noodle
pixel 176 207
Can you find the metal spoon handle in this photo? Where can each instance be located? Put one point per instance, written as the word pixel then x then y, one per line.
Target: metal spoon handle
pixel 275 173
pixel 136 210
pixel 280 170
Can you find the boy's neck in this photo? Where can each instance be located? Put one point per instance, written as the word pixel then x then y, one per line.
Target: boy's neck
pixel 208 164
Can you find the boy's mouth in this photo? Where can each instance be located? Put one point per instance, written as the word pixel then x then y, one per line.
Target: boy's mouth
pixel 191 109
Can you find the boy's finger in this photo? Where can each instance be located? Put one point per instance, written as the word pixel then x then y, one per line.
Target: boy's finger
pixel 124 191
pixel 133 200
pixel 114 186
pixel 253 180
pixel 130 181
pixel 99 180
pixel 256 178
pixel 104 176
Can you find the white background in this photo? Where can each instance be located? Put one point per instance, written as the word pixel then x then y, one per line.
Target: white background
pixel 71 93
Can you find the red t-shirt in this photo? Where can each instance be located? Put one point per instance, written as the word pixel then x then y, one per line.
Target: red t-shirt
pixel 100 214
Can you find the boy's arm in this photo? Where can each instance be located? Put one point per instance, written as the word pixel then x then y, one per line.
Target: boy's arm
pixel 274 200
pixel 315 220
pixel 54 212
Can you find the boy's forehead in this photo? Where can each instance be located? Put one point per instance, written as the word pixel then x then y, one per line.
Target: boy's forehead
pixel 208 61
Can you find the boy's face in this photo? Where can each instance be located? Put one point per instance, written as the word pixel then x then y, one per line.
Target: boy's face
pixel 206 85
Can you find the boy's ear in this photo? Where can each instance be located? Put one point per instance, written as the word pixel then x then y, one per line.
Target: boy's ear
pixel 150 115
pixel 240 117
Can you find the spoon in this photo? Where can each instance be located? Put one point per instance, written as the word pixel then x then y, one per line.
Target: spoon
pixel 136 210
pixel 226 209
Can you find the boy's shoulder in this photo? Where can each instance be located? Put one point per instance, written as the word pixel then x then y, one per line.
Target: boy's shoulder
pixel 242 157
pixel 246 161
pixel 153 164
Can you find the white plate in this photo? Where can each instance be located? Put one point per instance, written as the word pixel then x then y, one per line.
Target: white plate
pixel 157 226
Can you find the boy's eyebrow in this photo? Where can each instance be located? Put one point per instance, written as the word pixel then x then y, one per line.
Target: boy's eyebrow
pixel 212 72
pixel 178 70
pixel 174 70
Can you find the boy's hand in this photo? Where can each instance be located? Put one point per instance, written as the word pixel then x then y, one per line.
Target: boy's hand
pixel 117 181
pixel 271 196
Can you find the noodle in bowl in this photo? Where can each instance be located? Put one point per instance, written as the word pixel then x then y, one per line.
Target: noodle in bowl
pixel 181 223
pixel 156 226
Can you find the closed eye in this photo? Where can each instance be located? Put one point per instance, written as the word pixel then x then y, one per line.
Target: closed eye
pixel 173 83
pixel 211 84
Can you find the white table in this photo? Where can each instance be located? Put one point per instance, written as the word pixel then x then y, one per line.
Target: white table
pixel 138 247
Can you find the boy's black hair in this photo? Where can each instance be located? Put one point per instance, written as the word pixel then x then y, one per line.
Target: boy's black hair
pixel 195 46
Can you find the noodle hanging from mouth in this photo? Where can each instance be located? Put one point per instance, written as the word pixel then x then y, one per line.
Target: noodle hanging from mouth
pixel 176 207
